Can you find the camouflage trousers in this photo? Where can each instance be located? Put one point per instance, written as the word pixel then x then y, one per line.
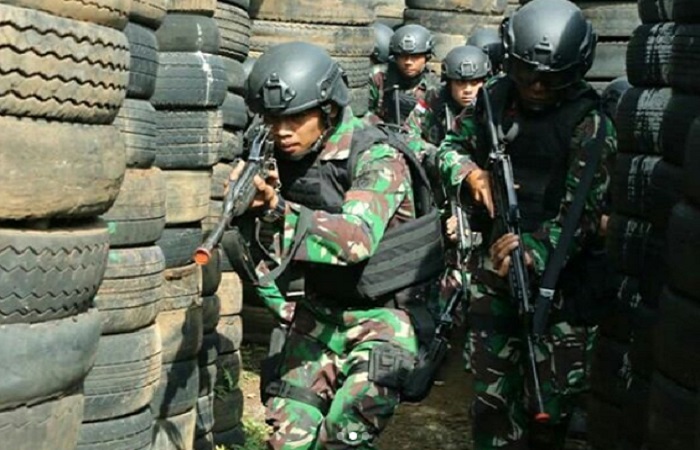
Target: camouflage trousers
pixel 356 409
pixel 503 406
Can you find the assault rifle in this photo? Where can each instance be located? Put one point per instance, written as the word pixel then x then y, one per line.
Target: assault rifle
pixel 508 214
pixel 237 200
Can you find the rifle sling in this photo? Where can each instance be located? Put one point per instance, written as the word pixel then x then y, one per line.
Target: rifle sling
pixel 557 260
pixel 303 225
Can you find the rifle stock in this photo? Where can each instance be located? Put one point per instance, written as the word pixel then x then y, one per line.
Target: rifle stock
pixel 508 213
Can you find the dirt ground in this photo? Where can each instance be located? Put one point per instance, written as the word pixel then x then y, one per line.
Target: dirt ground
pixel 440 422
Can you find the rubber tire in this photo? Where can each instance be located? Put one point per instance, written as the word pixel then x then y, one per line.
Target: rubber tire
pixel 234 28
pixel 76 72
pixel 235 112
pixel 681 11
pixel 174 433
pixel 228 374
pixel 230 330
pixel 201 7
pixel 259 323
pixel 211 275
pixel 231 294
pixel 359 101
pixel 672 415
pixel 684 249
pixel 336 12
pixel 45 360
pixel 609 62
pixel 356 70
pixel 189 139
pixel 130 293
pixel 210 314
pixel 635 412
pixel 188 80
pixel 611 19
pixel 337 40
pixel 125 375
pixel 236 76
pixel 632 243
pixel 655 122
pixel 231 146
pixel 178 388
pixel 108 13
pixel 63 170
pixel 603 420
pixel 450 23
pixel 244 4
pixel 607 379
pixel 148 12
pixel 130 432
pixel 136 122
pixel 444 43
pixel 641 355
pixel 220 174
pixel 50 425
pixel 684 68
pixel 181 288
pixel 52 274
pixel 143 66
pixel 187 196
pixel 460 6
pixel 646 187
pixel 188 33
pixel 228 410
pixel 205 442
pixel 233 437
pixel 179 243
pixel 649 57
pixel 205 415
pixel 181 333
pixel 691 168
pixel 137 217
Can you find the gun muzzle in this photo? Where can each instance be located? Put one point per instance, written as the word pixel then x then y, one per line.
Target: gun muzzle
pixel 202 256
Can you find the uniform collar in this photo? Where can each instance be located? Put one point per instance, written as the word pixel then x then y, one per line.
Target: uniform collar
pixel 337 145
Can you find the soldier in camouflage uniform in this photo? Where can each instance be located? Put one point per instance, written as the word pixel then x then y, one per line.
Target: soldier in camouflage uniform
pixel 549 46
pixel 344 191
pixel 407 77
pixel 380 55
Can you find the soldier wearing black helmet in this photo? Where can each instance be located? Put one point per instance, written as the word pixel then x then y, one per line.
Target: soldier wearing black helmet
pixel 490 42
pixel 347 202
pixel 553 124
pixel 380 55
pixel 395 91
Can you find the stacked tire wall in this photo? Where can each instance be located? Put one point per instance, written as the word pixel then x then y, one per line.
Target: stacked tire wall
pixel 121 385
pixel 65 75
pixel 654 120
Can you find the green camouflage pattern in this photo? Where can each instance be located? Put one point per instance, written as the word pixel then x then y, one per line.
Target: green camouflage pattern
pixel 428 119
pixel 503 409
pixel 327 347
pixel 429 81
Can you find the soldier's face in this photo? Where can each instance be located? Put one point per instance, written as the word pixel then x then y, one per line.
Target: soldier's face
pixel 411 65
pixel 294 135
pixel 464 92
pixel 538 94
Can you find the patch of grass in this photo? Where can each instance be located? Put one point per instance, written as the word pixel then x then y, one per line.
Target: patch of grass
pixel 256 435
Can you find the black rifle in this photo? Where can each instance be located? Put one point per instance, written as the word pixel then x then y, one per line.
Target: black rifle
pixel 237 200
pixel 508 214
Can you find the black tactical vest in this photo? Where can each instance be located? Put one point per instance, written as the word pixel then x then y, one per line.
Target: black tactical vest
pixel 406 99
pixel 540 153
pixel 408 256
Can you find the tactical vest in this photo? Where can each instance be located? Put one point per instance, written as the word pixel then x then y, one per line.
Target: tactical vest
pixel 540 152
pixel 406 97
pixel 409 255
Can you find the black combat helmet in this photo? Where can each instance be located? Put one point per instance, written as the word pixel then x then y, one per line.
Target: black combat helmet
pixel 293 77
pixel 612 94
pixel 412 40
pixel 490 42
pixel 466 62
pixel 382 39
pixel 549 41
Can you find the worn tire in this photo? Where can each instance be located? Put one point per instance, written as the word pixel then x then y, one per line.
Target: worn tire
pixel 50 425
pixel 52 274
pixel 234 27
pixel 125 374
pixel 76 72
pixel 108 13
pixel 684 68
pixel 148 12
pixel 228 410
pixel 205 442
pixel 234 437
pixel 231 294
pixel 205 415
pixel 337 12
pixel 188 33
pixel 201 7
pixel 178 389
pixel 181 288
pixel 210 314
pixel 646 187
pixel 603 421
pixel 230 330
pixel 356 70
pixel 137 125
pixel 181 333
pixel 229 366
pixel 684 249
pixel 236 76
pixel 691 168
pixel 137 217
pixel 220 174
pixel 130 293
pixel 359 101
pixel 235 112
pixel 632 243
pixel 190 80
pixel 189 139
pixel 80 169
pixel 681 11
pixel 174 433
pixel 607 371
pixel 143 66
pixel 337 40
pixel 259 323
pixel 179 243
pixel 187 195
pixel 231 146
pixel 211 274
pixel 672 415
pixel 450 23
pixel 477 6
pixel 132 432
pixel 649 55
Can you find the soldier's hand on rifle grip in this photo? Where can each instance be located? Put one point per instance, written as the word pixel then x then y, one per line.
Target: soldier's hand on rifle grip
pixel 266 195
pixel 479 183
pixel 501 251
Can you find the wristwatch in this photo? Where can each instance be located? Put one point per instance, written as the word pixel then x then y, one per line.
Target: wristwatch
pixel 272 215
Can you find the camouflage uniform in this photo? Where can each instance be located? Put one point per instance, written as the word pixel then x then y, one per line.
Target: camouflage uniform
pixel 501 408
pixel 328 348
pixel 415 88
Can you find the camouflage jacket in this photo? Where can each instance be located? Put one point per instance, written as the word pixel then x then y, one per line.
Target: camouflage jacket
pixel 455 163
pixel 380 197
pixel 418 89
